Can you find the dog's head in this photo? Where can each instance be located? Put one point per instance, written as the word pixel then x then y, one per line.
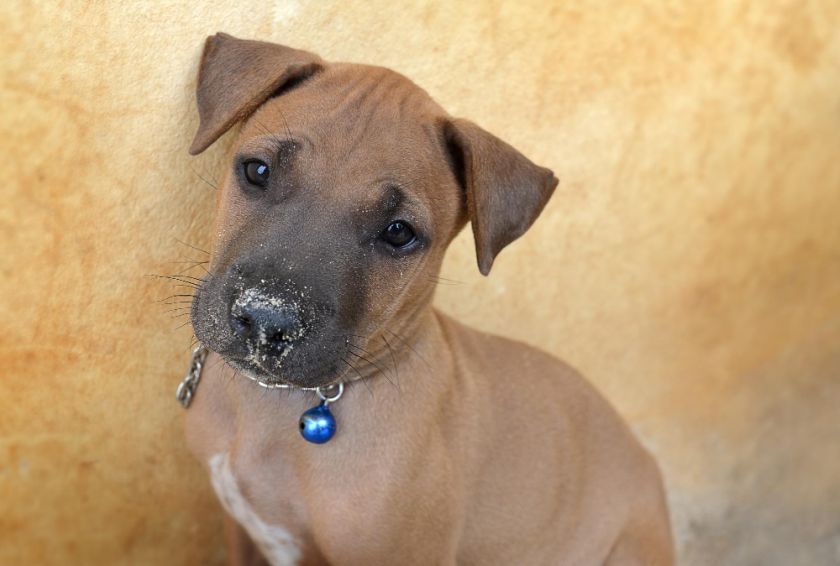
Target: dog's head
pixel 344 188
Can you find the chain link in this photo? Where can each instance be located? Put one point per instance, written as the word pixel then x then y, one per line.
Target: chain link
pixel 186 389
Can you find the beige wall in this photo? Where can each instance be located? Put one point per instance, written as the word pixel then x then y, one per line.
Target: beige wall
pixel 689 263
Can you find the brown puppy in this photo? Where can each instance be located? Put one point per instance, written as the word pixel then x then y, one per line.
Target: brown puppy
pixel 344 188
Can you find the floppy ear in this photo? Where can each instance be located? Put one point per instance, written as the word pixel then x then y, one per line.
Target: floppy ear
pixel 236 75
pixel 505 191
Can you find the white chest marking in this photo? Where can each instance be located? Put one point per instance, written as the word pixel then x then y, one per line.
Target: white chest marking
pixel 275 542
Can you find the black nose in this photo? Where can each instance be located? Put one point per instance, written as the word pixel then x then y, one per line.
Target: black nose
pixel 267 322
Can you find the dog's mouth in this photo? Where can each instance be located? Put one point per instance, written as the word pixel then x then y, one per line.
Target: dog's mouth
pixel 254 372
pixel 270 370
pixel 275 379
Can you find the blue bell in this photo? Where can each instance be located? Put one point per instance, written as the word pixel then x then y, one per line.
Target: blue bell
pixel 317 425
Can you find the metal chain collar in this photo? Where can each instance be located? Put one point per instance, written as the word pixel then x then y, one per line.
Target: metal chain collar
pixel 186 389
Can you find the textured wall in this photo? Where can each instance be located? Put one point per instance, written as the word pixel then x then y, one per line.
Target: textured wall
pixel 689 263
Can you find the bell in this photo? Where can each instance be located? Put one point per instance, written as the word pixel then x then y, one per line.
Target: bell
pixel 317 425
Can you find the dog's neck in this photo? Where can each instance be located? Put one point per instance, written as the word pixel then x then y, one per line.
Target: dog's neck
pixel 237 417
pixel 412 350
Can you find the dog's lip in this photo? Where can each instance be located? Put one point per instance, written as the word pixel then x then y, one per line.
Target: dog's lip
pixel 253 372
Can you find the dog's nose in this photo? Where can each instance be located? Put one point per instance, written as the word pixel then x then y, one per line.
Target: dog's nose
pixel 266 322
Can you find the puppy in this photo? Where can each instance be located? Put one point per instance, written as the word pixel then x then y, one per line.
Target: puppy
pixel 341 193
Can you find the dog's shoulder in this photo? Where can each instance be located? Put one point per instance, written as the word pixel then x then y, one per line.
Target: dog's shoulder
pixel 519 373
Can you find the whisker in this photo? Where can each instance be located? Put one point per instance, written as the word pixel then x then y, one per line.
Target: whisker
pixel 361 377
pixel 176 309
pixel 368 353
pixel 192 284
pixel 262 126
pixel 189 261
pixel 444 281
pixel 286 126
pixel 185 281
pixel 193 266
pixel 404 341
pixel 192 246
pixel 393 357
pixel 384 374
pixel 220 361
pixel 191 277
pixel 173 296
pixel 214 186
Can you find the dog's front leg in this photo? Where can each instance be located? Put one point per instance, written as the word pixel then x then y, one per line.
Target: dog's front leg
pixel 241 550
pixel 646 540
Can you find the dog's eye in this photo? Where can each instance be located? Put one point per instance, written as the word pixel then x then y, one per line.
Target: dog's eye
pixel 256 172
pixel 399 234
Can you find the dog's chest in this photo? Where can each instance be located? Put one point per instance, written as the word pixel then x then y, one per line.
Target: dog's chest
pixel 275 542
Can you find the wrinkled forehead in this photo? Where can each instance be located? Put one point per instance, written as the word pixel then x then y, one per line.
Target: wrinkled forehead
pixel 356 115
pixel 358 136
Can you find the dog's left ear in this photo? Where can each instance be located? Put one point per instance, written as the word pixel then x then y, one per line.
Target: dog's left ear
pixel 505 191
pixel 236 75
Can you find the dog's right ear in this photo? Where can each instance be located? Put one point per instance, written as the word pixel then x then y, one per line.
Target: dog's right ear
pixel 236 75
